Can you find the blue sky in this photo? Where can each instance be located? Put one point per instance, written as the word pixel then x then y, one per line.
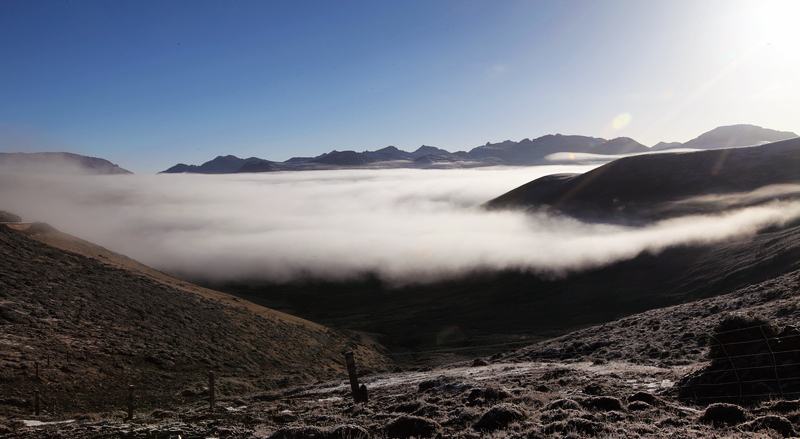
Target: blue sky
pixel 148 84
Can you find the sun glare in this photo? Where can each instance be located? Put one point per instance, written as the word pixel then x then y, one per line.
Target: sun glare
pixel 621 121
pixel 777 21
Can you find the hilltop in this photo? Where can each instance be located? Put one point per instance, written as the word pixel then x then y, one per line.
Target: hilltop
pixel 58 162
pixel 730 137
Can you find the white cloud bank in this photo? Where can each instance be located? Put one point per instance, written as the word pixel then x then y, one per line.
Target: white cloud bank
pixel 406 225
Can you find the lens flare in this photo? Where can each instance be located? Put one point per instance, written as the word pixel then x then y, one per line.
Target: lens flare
pixel 621 121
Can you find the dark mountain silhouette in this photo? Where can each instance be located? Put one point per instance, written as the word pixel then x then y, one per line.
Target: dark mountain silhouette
pixel 531 152
pixel 737 135
pixel 259 166
pixel 526 152
pixel 220 165
pixel 729 137
pixel 387 154
pixel 620 145
pixel 343 158
pixel 657 186
pixel 428 150
pixel 59 162
pixel 665 145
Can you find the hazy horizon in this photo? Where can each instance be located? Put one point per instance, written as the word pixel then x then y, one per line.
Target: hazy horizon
pixel 405 225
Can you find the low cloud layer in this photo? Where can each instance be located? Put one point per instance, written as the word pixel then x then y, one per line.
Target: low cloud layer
pixel 405 225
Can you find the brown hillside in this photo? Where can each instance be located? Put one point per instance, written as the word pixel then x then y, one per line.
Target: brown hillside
pixel 97 322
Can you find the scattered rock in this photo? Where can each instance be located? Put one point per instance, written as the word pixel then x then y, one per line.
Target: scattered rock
pixel 772 422
pixel 499 417
pixel 722 414
pixel 563 404
pixel 427 385
pixel 412 426
pixel 490 394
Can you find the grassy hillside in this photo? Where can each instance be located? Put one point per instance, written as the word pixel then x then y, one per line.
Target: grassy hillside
pixel 96 322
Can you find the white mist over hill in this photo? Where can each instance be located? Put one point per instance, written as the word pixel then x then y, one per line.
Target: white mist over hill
pixel 406 225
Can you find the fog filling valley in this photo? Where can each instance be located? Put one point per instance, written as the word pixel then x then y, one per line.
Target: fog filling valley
pixel 405 225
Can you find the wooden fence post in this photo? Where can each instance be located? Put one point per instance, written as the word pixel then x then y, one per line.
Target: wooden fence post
pixel 351 371
pixel 211 395
pixel 131 401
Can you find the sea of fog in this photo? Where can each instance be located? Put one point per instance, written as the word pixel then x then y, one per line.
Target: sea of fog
pixel 406 225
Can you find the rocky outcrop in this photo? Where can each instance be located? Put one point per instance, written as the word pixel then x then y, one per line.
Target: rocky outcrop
pixel 751 360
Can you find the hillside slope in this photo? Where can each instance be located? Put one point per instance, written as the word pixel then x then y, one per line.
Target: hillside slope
pixel 58 162
pixel 658 186
pixel 96 322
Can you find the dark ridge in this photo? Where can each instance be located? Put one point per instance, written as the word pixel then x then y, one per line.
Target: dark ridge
pixel 343 158
pixel 654 186
pixel 221 165
pixel 620 145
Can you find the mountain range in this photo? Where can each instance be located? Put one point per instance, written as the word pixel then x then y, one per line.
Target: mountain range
pixel 526 152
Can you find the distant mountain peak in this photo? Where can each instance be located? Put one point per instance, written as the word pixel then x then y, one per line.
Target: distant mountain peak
pixel 60 162
pixel 730 136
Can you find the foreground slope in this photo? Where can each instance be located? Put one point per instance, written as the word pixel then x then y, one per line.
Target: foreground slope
pixel 621 379
pixel 96 322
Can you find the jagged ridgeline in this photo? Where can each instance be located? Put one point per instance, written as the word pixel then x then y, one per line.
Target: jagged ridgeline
pixel 526 152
